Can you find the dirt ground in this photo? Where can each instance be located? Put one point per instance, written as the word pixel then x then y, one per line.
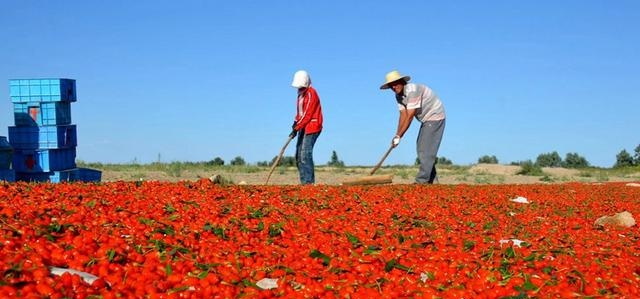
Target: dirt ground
pixel 476 174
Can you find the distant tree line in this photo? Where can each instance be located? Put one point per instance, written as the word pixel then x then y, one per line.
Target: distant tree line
pixel 624 159
pixel 552 159
pixel 290 161
pixel 217 161
pixel 571 160
pixel 285 161
pixel 488 159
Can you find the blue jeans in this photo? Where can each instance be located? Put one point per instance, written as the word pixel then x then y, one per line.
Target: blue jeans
pixel 304 156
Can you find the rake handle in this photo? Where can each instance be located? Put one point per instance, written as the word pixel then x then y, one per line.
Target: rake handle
pixel 381 161
pixel 275 163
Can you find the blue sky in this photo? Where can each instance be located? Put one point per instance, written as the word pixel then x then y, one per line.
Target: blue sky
pixel 194 80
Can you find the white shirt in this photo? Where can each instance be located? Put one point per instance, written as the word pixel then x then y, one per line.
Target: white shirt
pixel 422 98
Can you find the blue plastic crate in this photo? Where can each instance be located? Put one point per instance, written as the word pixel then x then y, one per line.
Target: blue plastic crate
pixel 43 137
pixel 42 90
pixel 44 160
pixel 51 176
pixel 42 114
pixel 8 175
pixel 68 175
pixel 86 175
pixel 6 153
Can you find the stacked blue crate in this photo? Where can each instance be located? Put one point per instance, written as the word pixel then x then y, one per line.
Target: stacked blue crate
pixel 6 154
pixel 7 175
pixel 43 138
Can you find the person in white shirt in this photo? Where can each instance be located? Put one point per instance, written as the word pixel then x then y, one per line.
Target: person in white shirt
pixel 419 101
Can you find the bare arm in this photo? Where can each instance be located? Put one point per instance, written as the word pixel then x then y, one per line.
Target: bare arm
pixel 404 121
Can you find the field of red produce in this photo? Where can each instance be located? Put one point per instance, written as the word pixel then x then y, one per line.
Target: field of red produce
pixel 200 240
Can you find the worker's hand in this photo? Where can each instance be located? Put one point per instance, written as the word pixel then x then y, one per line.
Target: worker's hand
pixel 293 133
pixel 294 125
pixel 395 141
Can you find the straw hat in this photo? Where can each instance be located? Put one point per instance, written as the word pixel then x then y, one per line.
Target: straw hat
pixel 393 76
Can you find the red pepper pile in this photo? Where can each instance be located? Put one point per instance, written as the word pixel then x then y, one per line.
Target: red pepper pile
pixel 200 240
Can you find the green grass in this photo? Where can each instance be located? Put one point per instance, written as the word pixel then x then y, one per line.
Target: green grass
pixel 547 178
pixel 605 173
pixel 138 176
pixel 489 179
pixel 458 172
pixel 405 173
pixel 529 168
pixel 453 169
pixel 171 168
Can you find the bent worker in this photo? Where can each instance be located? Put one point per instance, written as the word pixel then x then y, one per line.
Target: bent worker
pixel 307 125
pixel 419 101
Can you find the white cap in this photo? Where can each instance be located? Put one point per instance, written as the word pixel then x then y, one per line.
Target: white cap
pixel 301 79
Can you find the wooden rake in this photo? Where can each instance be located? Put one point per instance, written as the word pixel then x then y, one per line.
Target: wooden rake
pixel 275 163
pixel 373 179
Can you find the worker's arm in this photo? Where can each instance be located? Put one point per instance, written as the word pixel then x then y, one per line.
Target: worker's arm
pixel 404 121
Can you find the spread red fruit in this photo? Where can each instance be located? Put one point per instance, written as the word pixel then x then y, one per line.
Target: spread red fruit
pixel 200 240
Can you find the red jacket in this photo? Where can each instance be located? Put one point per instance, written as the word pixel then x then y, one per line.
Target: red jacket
pixel 309 116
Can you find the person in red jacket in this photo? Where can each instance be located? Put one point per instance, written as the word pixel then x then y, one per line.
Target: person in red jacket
pixel 307 125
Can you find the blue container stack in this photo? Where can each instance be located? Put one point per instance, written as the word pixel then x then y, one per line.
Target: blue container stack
pixel 6 152
pixel 43 139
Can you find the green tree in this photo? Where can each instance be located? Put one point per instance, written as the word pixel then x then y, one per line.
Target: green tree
pixel 217 161
pixel 623 159
pixel 552 159
pixel 335 162
pixel 636 159
pixel 445 161
pixel 286 161
pixel 488 159
pixel 238 161
pixel 573 160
